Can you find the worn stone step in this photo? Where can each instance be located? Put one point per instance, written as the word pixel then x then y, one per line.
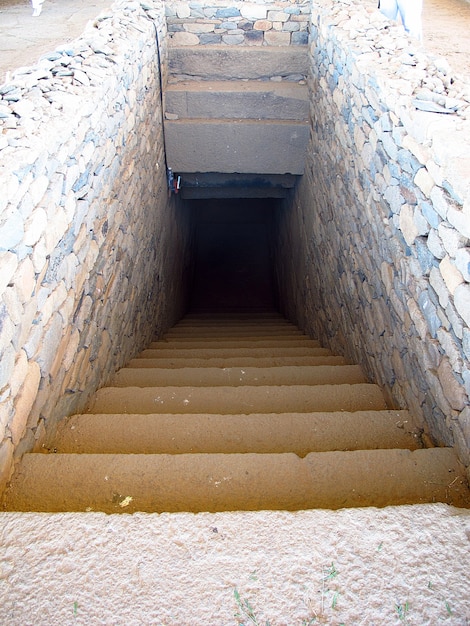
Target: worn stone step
pixel 236 62
pixel 228 482
pixel 235 333
pixel 237 100
pixel 184 343
pixel 227 353
pixel 268 337
pixel 236 146
pixel 238 376
pixel 227 400
pixel 236 361
pixel 300 433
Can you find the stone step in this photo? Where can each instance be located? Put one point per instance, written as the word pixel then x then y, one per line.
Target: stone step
pixel 214 63
pixel 300 433
pixel 218 352
pixel 188 343
pixel 238 376
pixel 236 146
pixel 237 100
pixel 236 361
pixel 226 482
pixel 252 334
pixel 271 328
pixel 181 343
pixel 232 400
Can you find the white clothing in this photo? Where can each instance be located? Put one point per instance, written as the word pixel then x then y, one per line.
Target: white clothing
pixel 409 11
pixel 37 7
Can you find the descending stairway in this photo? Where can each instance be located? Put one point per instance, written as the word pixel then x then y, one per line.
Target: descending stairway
pixel 236 413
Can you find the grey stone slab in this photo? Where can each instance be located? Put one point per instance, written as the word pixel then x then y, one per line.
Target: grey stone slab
pixel 225 63
pixel 238 99
pixel 236 146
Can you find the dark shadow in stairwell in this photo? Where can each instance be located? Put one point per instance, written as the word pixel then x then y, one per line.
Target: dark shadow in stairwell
pixel 233 268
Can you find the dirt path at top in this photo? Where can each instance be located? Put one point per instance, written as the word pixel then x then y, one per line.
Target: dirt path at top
pixel 23 38
pixel 446 27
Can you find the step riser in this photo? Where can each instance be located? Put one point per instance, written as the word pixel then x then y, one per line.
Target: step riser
pixel 165 483
pixel 183 343
pixel 235 333
pixel 227 353
pixel 230 434
pixel 237 377
pixel 271 362
pixel 226 400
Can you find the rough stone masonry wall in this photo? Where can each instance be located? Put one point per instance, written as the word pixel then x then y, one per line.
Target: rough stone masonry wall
pixel 85 222
pixel 375 244
pixel 232 22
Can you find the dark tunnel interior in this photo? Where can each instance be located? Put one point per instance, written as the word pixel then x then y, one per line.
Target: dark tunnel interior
pixel 233 254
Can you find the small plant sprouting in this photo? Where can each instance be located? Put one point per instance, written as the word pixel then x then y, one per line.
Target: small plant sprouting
pixel 330 572
pixel 402 610
pixel 335 600
pixel 448 609
pixel 75 608
pixel 245 611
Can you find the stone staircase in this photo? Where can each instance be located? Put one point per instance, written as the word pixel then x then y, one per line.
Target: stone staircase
pixel 236 119
pixel 236 413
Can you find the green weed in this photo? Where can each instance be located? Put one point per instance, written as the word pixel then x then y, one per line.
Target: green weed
pixel 402 610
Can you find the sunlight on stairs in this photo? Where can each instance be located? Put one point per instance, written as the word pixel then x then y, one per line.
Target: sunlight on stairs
pixel 236 412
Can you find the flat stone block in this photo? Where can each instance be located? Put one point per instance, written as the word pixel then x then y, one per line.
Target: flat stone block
pixel 277 38
pixel 243 100
pixel 226 63
pixel 236 146
pixel 184 39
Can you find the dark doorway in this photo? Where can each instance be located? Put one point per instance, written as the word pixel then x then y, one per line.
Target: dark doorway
pixel 233 268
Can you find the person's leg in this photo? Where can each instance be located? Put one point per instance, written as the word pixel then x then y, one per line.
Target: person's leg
pixel 37 7
pixel 389 8
pixel 410 12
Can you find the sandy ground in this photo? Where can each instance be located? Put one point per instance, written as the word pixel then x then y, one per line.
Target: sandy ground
pixel 357 567
pixel 23 38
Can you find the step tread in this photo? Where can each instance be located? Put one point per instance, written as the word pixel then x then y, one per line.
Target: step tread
pixel 300 433
pixel 262 399
pixel 220 482
pixel 255 339
pixel 238 376
pixel 182 343
pixel 227 353
pixel 241 361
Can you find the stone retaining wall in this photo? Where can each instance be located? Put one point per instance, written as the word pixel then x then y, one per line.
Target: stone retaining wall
pixel 232 22
pixel 375 244
pixel 85 222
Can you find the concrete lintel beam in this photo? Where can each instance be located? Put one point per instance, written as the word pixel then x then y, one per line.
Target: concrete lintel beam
pixel 237 99
pixel 233 62
pixel 242 146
